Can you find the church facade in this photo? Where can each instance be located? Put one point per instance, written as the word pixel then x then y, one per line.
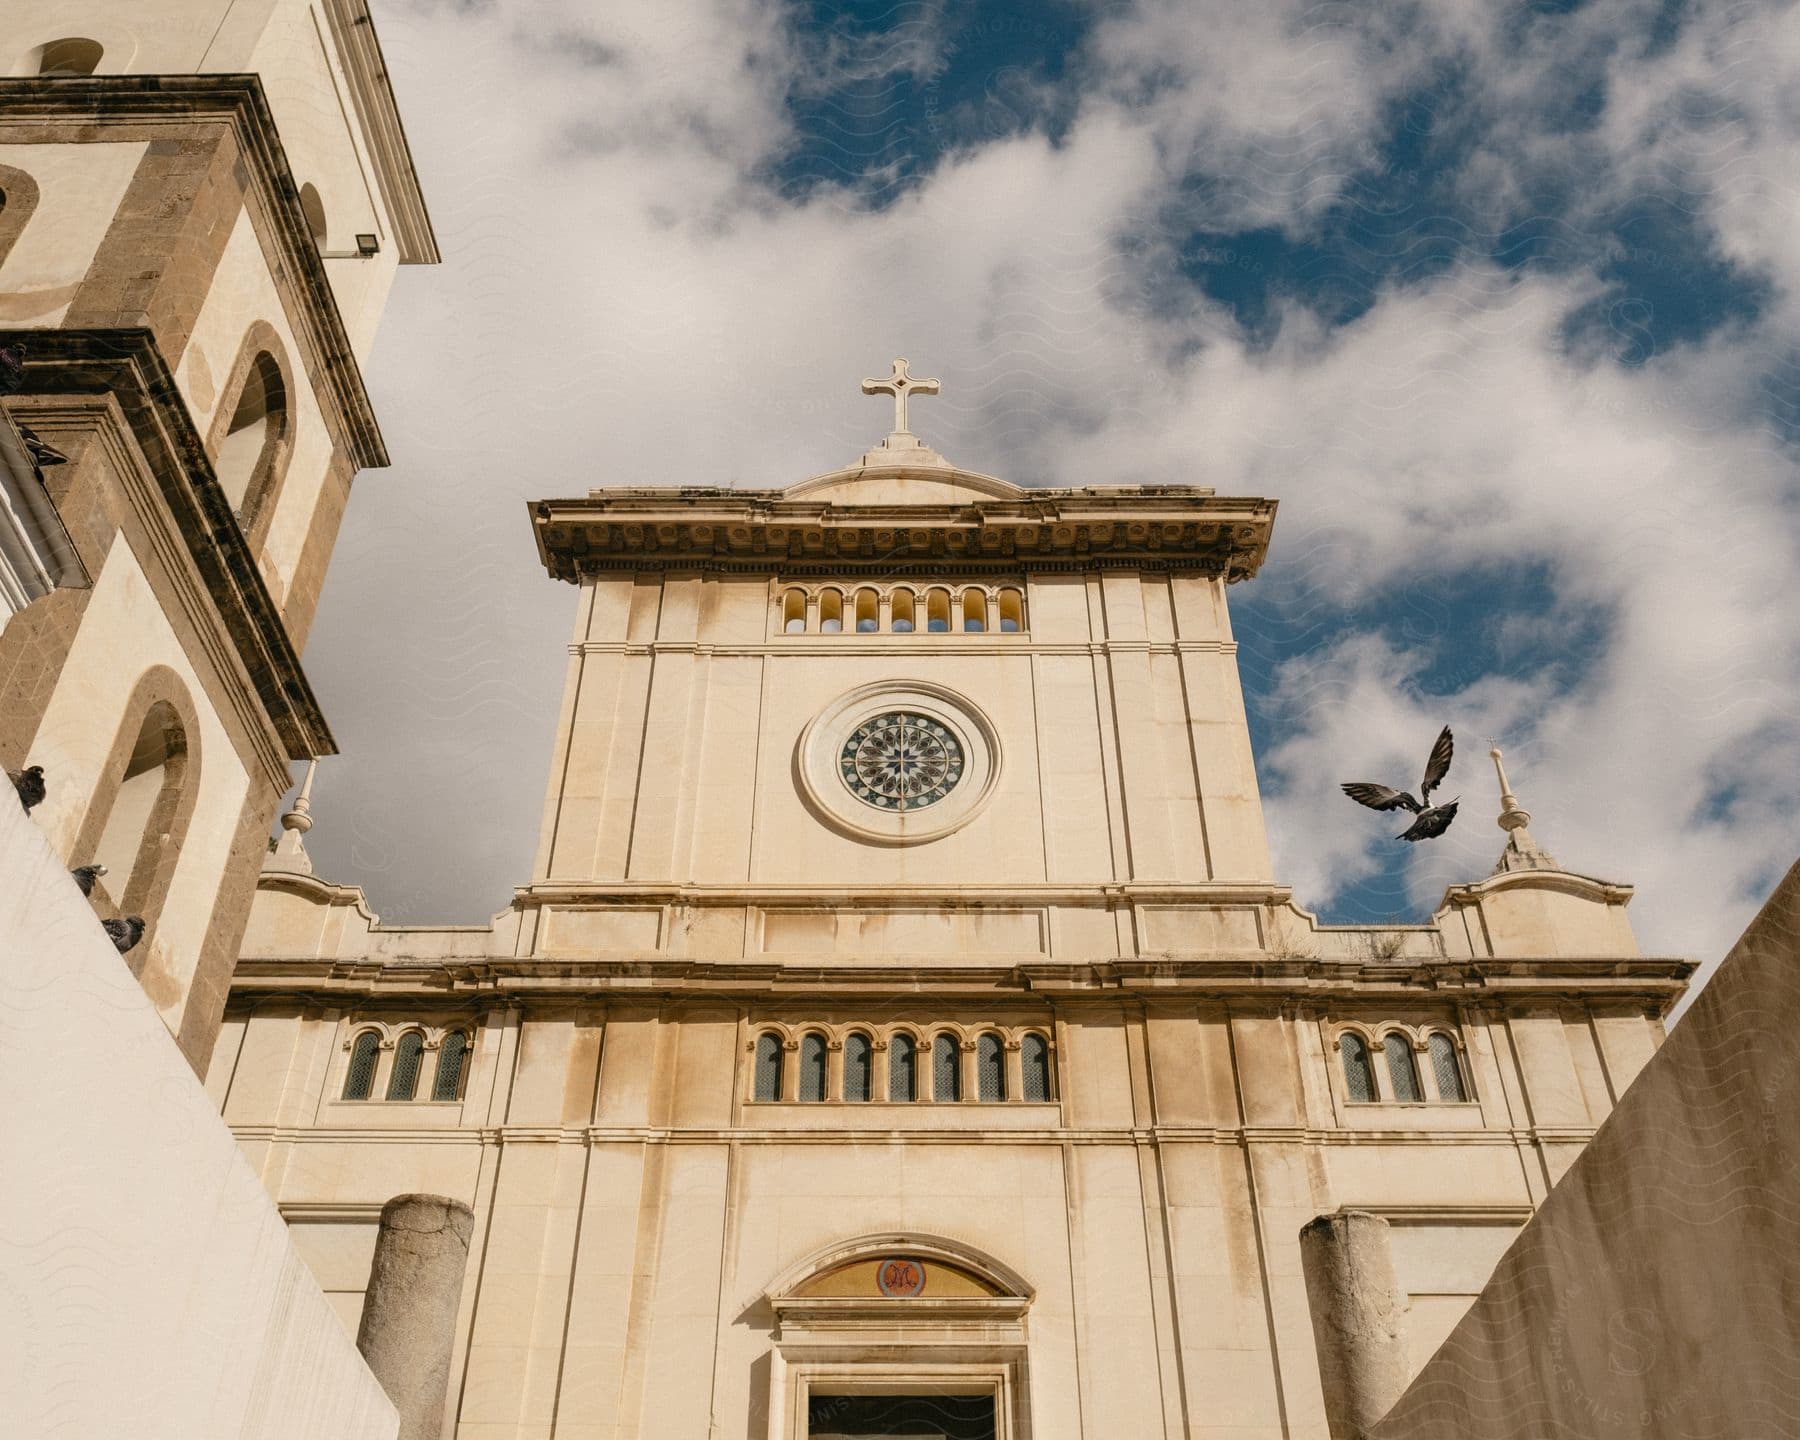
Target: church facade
pixel 902 1030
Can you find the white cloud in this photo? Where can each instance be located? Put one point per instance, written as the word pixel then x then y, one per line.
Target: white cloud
pixel 623 302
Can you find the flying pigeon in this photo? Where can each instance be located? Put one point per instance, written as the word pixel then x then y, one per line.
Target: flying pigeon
pixel 29 782
pixel 125 933
pixel 1433 820
pixel 86 875
pixel 12 368
pixel 43 453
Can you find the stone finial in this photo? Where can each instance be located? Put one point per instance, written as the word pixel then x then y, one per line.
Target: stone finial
pixel 1521 852
pixel 290 850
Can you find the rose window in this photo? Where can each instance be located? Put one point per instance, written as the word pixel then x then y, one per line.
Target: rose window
pixel 899 761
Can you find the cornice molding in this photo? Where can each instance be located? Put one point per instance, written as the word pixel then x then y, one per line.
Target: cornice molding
pixel 359 48
pixel 766 531
pixel 129 366
pixel 237 101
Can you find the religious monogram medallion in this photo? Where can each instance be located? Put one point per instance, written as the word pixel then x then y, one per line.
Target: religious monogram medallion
pixel 900 1278
pixel 899 761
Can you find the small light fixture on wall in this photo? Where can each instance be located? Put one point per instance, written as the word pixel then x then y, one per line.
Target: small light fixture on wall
pixel 367 248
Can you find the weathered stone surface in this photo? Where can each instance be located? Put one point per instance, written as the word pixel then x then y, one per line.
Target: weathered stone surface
pixel 409 1318
pixel 1358 1316
pixel 1654 1294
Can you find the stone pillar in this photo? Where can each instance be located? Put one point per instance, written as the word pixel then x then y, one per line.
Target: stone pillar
pixel 1358 1316
pixel 409 1317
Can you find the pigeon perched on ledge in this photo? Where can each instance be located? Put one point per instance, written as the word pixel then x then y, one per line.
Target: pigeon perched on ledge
pixel 1433 820
pixel 29 782
pixel 86 875
pixel 125 933
pixel 43 453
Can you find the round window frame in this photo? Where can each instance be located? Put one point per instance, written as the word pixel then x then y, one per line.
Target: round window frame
pixel 821 743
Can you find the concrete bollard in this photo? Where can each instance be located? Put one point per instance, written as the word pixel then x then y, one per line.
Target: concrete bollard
pixel 1358 1316
pixel 409 1317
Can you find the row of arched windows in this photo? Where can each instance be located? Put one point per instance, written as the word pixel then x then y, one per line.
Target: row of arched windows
pixel 1399 1081
pixel 409 1061
pixel 901 610
pixel 916 1067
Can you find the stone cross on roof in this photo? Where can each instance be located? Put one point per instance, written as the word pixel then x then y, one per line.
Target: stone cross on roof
pixel 900 385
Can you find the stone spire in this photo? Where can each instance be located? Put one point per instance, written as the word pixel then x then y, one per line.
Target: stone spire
pixel 1521 852
pixel 290 850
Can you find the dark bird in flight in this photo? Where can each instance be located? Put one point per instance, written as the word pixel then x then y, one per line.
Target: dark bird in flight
pixel 86 875
pixel 29 782
pixel 12 368
pixel 1433 820
pixel 43 453
pixel 125 933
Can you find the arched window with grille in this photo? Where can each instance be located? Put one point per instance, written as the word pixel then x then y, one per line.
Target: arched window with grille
pixel 902 1068
pixel 1034 1068
pixel 946 1067
pixel 793 612
pixel 1359 1074
pixel 452 1062
pixel 1447 1068
pixel 768 1066
pixel 812 1068
pixel 901 612
pixel 403 1082
pixel 990 1068
pixel 1403 1075
pixel 359 1077
pixel 831 612
pixel 859 1075
pixel 868 612
pixel 974 610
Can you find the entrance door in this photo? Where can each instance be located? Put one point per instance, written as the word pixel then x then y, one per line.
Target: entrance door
pixel 900 1417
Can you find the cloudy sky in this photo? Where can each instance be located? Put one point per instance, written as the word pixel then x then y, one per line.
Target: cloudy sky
pixel 1501 301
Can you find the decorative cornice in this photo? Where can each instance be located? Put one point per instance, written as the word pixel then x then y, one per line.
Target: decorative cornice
pixel 238 101
pixel 129 366
pixel 359 47
pixel 767 531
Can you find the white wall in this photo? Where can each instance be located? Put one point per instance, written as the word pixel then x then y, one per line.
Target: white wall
pixel 147 1284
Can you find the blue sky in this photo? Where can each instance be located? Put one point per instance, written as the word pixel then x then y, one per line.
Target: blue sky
pixel 1499 300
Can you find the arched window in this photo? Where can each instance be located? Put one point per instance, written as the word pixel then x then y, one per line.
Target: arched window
pixel 452 1061
pixel 902 609
pixel 359 1079
pixel 314 209
pixel 1447 1068
pixel 937 611
pixel 831 611
pixel 143 807
pixel 1359 1075
pixel 902 1068
pixel 859 1076
pixel 974 610
pixel 1034 1068
pixel 403 1082
pixel 248 453
pixel 990 1068
pixel 812 1067
pixel 1403 1078
pixel 946 1067
pixel 69 57
pixel 1012 611
pixel 793 612
pixel 768 1066
pixel 868 612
